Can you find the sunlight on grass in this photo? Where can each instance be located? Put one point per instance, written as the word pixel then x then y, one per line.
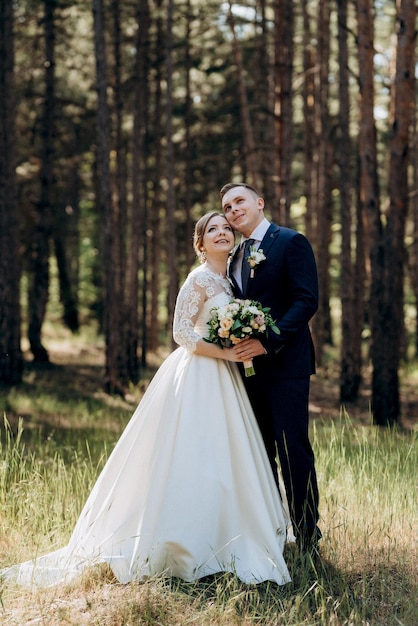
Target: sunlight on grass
pixel 367 574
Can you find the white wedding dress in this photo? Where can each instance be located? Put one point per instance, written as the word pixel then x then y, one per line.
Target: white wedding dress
pixel 188 489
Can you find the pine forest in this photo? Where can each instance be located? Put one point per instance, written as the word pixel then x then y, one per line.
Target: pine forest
pixel 121 120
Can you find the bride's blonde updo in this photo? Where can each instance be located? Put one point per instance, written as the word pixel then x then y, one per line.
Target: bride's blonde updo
pixel 199 233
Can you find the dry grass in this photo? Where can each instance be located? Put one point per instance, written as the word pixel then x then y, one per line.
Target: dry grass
pixel 368 571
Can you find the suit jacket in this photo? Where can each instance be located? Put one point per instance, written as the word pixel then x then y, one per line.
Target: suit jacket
pixel 287 282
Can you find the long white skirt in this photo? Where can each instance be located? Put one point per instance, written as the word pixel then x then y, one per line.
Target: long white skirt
pixel 187 490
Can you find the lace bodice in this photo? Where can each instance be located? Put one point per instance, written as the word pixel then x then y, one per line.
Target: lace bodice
pixel 201 291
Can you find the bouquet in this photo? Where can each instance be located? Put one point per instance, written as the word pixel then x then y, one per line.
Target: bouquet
pixel 238 320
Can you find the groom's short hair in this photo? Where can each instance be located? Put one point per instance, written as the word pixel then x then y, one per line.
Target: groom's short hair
pixel 229 186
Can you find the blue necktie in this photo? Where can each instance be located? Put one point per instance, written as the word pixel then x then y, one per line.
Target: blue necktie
pixel 245 267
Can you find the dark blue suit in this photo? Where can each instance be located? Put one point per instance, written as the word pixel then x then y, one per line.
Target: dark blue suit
pixel 287 282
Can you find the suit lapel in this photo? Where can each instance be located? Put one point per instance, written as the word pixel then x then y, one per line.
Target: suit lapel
pixel 269 238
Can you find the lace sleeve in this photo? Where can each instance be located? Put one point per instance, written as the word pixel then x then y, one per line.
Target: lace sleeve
pixel 190 300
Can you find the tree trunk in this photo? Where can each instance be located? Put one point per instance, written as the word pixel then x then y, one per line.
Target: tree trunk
pixel 39 279
pixel 120 170
pixel 283 104
pixel 386 400
pixel 308 124
pixel 369 184
pixel 360 274
pixel 189 143
pixel 119 201
pixel 247 131
pixel 322 183
pixel 413 253
pixel 156 189
pixel 138 213
pixel 171 201
pixel 264 126
pixel 68 296
pixel 350 374
pixel 11 361
pixel 110 258
pixel 67 239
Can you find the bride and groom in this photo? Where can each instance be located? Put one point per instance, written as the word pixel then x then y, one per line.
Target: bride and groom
pixel 189 490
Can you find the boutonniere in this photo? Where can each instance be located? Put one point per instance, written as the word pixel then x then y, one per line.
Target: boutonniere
pixel 255 258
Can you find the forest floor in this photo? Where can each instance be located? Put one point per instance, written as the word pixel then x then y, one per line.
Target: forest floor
pixel 325 402
pixel 78 367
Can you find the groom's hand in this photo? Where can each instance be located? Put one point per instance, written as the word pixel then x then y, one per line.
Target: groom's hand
pixel 248 348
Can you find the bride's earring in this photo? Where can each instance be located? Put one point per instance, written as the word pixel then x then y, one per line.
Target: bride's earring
pixel 203 256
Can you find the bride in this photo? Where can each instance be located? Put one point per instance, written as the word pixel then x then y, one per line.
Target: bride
pixel 188 490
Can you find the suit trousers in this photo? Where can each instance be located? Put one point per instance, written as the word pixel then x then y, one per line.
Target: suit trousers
pixel 281 408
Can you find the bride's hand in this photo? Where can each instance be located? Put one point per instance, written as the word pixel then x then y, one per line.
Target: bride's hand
pixel 231 356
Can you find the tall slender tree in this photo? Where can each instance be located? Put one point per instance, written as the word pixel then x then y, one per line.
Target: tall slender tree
pixel 39 283
pixel 321 196
pixel 171 196
pixel 308 121
pixel 283 105
pixel 138 210
pixel 264 122
pixel 245 117
pixel 119 150
pixel 188 136
pixel 11 360
pixel 413 252
pixel 156 191
pixel 350 376
pixel 369 182
pixel 388 331
pixel 114 375
pixel 119 192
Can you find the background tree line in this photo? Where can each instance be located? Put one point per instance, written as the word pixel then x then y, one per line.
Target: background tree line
pixel 120 121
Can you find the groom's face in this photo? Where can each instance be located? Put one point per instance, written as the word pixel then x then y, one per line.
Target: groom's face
pixel 243 209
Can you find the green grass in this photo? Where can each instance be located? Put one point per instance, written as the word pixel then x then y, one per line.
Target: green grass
pixel 52 454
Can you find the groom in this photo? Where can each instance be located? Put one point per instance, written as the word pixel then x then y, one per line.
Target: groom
pixel 282 276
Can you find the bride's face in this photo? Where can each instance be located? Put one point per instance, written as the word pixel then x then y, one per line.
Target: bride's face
pixel 218 237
